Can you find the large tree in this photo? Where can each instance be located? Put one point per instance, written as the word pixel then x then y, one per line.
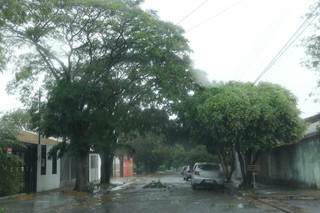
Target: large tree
pixel 100 62
pixel 251 119
pixel 243 118
pixel 195 127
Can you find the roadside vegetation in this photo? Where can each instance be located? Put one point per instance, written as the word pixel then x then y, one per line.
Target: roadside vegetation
pixel 242 118
pixel 11 178
pixel 115 62
pixel 106 75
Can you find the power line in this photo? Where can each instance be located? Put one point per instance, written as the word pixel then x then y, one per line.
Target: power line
pixel 221 12
pixel 193 11
pixel 305 24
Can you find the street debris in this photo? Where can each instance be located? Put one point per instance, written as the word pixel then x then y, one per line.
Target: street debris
pixel 155 185
pixel 240 206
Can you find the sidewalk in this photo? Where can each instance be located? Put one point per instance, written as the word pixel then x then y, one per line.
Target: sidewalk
pixel 282 198
pixel 291 199
pixel 58 200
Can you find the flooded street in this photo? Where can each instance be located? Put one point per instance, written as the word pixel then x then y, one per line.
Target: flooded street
pixel 134 198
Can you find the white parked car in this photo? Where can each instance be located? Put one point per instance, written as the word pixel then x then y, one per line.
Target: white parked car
pixel 207 174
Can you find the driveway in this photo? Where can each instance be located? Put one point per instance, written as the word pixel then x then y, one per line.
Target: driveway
pixel 134 198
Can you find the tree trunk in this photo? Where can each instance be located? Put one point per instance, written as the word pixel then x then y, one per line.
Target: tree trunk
pixel 227 162
pixel 121 166
pixel 224 166
pixel 106 168
pixel 243 166
pixel 232 166
pixel 245 160
pixel 82 173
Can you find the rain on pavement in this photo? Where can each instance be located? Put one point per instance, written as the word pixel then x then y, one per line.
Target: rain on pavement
pixel 134 198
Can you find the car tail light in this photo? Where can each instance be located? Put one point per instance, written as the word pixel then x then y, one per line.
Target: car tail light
pixel 196 173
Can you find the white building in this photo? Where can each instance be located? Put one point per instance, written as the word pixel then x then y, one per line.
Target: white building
pixel 41 173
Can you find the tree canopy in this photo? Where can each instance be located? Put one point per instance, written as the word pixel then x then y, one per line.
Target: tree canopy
pixel 245 118
pixel 11 123
pixel 100 62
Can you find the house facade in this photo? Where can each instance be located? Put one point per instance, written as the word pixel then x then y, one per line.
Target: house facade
pixel 43 173
pixel 40 172
pixel 122 166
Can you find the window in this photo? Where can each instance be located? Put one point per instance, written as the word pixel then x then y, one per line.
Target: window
pixel 43 159
pixel 208 167
pixel 54 163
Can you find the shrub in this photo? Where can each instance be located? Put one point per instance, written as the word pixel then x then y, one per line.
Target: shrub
pixel 10 174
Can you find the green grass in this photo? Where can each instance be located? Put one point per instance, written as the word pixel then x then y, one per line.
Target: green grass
pixel 2 210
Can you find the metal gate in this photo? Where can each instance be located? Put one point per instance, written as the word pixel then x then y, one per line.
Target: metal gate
pixel 30 168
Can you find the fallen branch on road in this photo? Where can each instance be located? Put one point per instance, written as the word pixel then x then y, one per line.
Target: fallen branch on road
pixel 155 184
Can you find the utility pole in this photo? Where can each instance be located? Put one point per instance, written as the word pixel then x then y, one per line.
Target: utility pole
pixel 39 122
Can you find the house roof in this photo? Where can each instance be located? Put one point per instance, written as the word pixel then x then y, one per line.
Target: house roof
pixel 313 124
pixel 31 137
pixel 313 118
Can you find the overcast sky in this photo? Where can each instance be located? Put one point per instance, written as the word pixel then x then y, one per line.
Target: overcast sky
pixel 239 43
pixel 235 40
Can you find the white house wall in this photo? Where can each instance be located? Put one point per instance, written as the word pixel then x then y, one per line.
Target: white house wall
pixel 94 167
pixel 116 167
pixel 48 181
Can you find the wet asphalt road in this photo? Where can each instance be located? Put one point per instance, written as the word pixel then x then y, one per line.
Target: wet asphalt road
pixel 133 198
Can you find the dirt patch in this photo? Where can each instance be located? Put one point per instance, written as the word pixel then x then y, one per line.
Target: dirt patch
pixel 25 197
pixel 75 194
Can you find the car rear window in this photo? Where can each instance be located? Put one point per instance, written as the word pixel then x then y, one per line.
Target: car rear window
pixel 209 167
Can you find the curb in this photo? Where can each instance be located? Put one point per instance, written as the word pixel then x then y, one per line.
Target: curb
pixel 282 209
pixel 235 191
pixel 12 196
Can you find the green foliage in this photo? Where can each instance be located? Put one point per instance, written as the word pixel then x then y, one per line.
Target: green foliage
pixel 10 165
pixel 200 154
pixel 180 156
pixel 118 41
pixel 10 174
pixel 150 152
pixel 10 125
pixel 244 118
pixel 119 58
pixel 114 60
pixel 255 117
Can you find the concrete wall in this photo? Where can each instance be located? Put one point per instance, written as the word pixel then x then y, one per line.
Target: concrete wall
pixel 48 181
pixel 127 166
pixel 67 171
pixel 295 165
pixel 116 167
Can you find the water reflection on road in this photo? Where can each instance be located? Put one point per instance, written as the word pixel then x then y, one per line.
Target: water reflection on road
pixel 133 198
